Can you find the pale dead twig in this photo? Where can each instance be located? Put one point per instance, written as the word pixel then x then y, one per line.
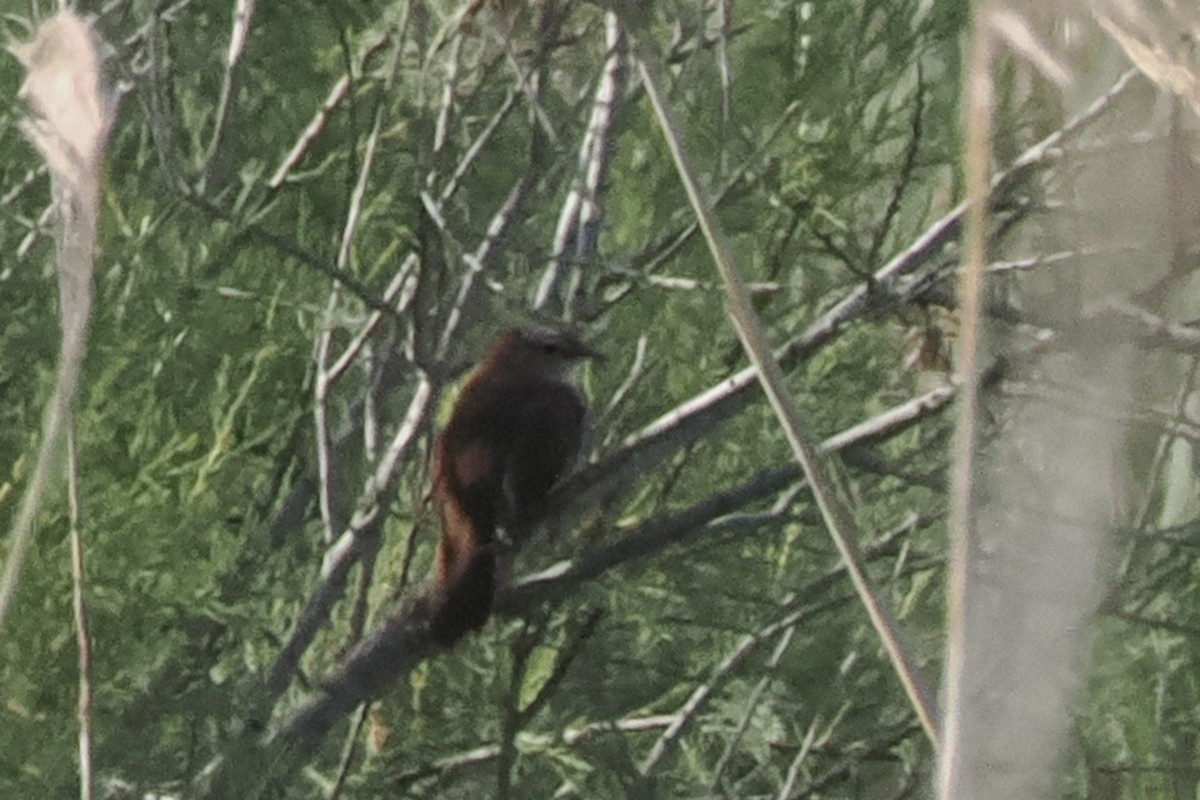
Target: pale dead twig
pixel 83 634
pixel 239 34
pixel 337 93
pixel 822 480
pixel 577 229
pixel 326 490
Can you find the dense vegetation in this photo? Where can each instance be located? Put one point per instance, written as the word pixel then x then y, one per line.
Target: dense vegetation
pixel 391 184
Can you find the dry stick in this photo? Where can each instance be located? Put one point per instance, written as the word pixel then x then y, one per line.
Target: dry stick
pixel 976 159
pixel 579 218
pixel 315 127
pixel 476 147
pixel 636 370
pixel 320 119
pixel 487 251
pixel 793 773
pixel 449 93
pixel 905 276
pixel 724 34
pixel 402 290
pixel 324 380
pixel 402 640
pixel 837 517
pixel 243 15
pixel 349 547
pixel 348 751
pixel 83 636
pixel 735 740
pixel 324 444
pixel 358 620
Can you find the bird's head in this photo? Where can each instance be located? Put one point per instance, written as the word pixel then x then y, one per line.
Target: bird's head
pixel 541 352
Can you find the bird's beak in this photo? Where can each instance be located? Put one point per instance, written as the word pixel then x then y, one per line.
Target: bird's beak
pixel 584 350
pixel 575 348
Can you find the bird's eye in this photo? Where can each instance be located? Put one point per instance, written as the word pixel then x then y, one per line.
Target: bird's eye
pixel 550 348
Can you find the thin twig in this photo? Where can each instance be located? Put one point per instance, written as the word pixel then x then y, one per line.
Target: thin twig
pixel 821 479
pixel 636 370
pixel 793 773
pixel 399 294
pixel 348 751
pixel 253 230
pixel 243 17
pixel 575 234
pixel 320 119
pixel 904 177
pixel 324 379
pixel 349 548
pixel 751 705
pixel 83 635
pixel 325 465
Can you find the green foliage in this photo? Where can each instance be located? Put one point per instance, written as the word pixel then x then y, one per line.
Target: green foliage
pixel 196 414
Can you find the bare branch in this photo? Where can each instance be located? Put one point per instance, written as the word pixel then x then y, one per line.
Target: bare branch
pixel 243 16
pixel 320 119
pixel 578 227
pixel 898 281
pixel 83 633
pixel 822 479
pixel 365 526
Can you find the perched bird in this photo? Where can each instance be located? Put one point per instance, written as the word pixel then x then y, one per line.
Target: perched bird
pixel 514 432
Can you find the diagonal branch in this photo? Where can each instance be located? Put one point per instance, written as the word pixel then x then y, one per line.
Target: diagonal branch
pixel 908 275
pixel 402 641
pixel 821 477
pixel 243 16
pixel 575 235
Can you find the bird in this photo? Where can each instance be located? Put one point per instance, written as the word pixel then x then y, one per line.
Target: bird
pixel 514 432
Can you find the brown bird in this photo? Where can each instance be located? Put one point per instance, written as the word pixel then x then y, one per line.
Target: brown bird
pixel 514 432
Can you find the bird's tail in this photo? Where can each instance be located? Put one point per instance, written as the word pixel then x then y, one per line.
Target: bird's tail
pixel 464 604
